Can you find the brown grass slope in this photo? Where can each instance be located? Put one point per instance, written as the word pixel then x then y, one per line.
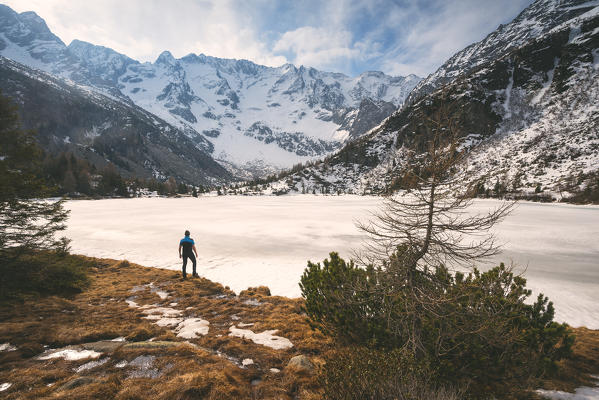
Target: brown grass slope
pixel 208 368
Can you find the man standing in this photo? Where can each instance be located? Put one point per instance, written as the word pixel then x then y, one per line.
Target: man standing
pixel 189 247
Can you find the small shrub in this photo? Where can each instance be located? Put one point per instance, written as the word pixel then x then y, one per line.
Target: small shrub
pixel 471 330
pixel 253 291
pixel 363 373
pixel 43 273
pixel 340 302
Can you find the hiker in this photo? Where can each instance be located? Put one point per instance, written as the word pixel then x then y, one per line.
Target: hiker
pixel 189 247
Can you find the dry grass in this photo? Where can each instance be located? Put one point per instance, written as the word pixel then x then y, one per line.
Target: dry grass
pixel 186 371
pixel 577 370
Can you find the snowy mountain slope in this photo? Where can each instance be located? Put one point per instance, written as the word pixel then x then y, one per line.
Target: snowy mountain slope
pixel 530 118
pixel 256 118
pixel 534 21
pixel 71 118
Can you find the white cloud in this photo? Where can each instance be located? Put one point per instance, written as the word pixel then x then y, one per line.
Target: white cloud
pixel 395 36
pixel 432 36
pixel 317 47
pixel 143 29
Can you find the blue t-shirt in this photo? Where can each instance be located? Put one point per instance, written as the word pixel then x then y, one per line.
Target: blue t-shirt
pixel 187 244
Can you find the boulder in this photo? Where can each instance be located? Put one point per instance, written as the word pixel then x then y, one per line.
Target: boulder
pixel 301 362
pixel 103 346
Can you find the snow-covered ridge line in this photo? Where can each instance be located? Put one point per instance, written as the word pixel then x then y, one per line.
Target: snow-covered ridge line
pixel 541 17
pixel 532 124
pixel 307 113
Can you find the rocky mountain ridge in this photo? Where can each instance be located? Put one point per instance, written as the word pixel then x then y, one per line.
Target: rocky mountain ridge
pixel 257 119
pixel 534 21
pixel 529 117
pixel 95 127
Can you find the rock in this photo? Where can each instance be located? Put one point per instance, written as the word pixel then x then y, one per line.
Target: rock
pixel 144 367
pixel 103 346
pixel 83 380
pixel 301 362
pixel 159 344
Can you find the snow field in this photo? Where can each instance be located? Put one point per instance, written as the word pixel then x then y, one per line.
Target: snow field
pixel 253 241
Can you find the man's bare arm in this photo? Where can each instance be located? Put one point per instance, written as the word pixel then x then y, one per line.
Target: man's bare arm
pixel 180 250
pixel 194 250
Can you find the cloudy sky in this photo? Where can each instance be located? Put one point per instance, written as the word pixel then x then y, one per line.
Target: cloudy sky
pixel 350 36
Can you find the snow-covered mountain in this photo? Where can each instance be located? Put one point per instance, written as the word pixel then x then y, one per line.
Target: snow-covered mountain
pixel 529 113
pixel 71 118
pixel 534 21
pixel 255 118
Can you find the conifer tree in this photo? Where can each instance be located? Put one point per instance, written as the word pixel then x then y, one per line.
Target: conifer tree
pixel 26 221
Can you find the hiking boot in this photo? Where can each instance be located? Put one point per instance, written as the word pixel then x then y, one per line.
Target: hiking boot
pixel 184 277
pixel 195 275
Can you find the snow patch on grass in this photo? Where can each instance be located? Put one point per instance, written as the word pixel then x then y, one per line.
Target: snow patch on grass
pixel 91 364
pixel 164 311
pixel 163 295
pixel 192 328
pixel 7 347
pixel 582 393
pixel 169 322
pixel 131 303
pixel 266 338
pixel 69 354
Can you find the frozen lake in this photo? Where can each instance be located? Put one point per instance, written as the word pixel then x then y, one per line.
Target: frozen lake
pixel 251 241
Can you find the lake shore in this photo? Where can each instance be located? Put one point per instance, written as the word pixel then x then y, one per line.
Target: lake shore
pixel 252 241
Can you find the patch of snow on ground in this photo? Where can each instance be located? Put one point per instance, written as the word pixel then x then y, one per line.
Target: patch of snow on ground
pixel 168 322
pixel 581 393
pixel 69 354
pixel 191 328
pixel 5 386
pixel 247 361
pixel 266 338
pixel 163 295
pixel 91 364
pixel 132 304
pixel 166 312
pixel 7 347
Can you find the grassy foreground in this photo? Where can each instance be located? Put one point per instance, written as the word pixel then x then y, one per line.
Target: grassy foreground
pixel 210 366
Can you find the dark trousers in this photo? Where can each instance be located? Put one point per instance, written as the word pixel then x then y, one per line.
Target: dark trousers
pixel 193 260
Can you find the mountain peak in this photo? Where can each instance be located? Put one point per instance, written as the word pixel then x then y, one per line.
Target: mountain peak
pixel 26 28
pixel 165 58
pixel 86 49
pixel 32 16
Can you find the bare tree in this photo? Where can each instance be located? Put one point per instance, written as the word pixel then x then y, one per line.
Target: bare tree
pixel 429 221
pixel 427 225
